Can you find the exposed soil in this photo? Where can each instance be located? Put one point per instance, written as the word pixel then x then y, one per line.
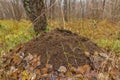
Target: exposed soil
pixel 61 48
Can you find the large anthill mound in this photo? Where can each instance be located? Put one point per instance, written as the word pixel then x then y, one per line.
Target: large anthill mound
pixel 61 48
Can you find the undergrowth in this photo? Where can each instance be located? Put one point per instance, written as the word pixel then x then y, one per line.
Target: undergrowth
pixel 14 32
pixel 104 33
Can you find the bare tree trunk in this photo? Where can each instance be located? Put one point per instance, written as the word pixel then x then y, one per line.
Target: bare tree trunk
pixel 35 10
pixel 103 8
pixel 104 4
pixel 65 10
pixel 52 10
pixel 82 13
pixel 69 9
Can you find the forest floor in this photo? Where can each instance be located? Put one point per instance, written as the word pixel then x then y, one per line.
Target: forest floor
pixel 60 54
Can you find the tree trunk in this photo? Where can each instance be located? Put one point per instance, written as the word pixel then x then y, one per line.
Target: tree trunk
pixel 65 10
pixel 35 9
pixel 52 9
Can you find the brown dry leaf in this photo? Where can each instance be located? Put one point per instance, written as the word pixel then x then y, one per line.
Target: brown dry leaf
pixel 70 78
pixel 73 70
pixel 44 70
pixel 38 72
pixel 35 62
pixel 35 56
pixel 103 76
pixel 3 78
pixel 61 75
pixel 1 72
pixel 68 73
pixel 5 56
pixel 83 69
pixel 12 69
pixel 62 69
pixel 96 53
pixel 87 53
pixel 87 68
pixel 80 70
pixel 79 77
pixel 15 75
pixel 18 49
pixel 49 66
pixel 33 76
pixel 91 75
pixel 44 75
pixel 29 57
pixel 114 73
pixel 16 59
pixel 31 68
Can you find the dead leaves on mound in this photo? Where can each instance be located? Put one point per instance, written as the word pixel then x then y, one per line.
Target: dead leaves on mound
pixel 22 66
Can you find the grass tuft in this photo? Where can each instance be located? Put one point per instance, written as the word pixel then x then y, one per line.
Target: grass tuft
pixel 14 32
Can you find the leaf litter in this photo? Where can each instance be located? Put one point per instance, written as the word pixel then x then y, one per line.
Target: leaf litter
pixel 71 62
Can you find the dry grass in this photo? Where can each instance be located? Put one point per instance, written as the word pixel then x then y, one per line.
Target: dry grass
pixel 104 33
pixel 14 32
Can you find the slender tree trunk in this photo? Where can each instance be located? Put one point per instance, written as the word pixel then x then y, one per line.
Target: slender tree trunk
pixel 104 4
pixel 103 8
pixel 69 9
pixel 35 10
pixel 52 10
pixel 65 10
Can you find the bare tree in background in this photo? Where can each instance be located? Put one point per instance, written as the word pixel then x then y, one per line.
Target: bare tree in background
pixel 52 9
pixel 11 9
pixel 65 10
pixel 115 12
pixel 35 10
pixel 59 10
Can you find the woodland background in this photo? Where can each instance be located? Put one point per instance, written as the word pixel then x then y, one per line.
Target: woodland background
pixel 69 9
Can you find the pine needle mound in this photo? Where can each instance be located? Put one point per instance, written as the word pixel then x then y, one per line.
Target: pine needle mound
pixel 61 48
pixel 59 55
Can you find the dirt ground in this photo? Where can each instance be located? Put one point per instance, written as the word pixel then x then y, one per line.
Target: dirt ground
pixel 61 48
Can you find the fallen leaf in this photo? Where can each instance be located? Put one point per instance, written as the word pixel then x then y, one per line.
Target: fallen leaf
pixel 62 69
pixel 80 70
pixel 68 73
pixel 103 76
pixel 87 53
pixel 86 68
pixel 83 69
pixel 44 70
pixel 33 77
pixel 96 53
pixel 73 70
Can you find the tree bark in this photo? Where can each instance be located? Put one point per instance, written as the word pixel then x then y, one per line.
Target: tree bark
pixel 65 10
pixel 52 10
pixel 35 9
